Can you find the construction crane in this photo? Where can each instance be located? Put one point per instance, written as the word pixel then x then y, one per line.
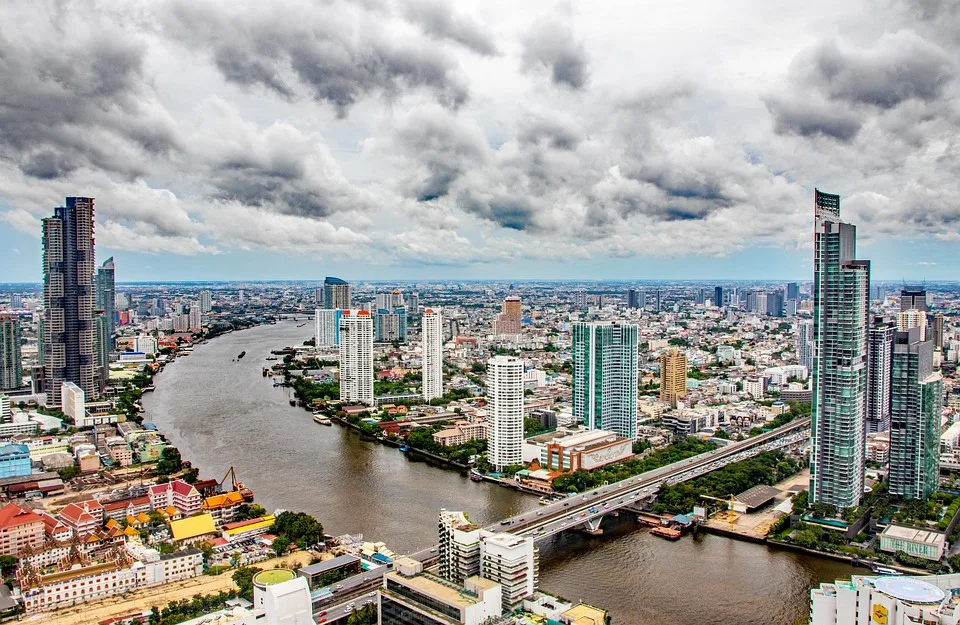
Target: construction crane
pixel 730 501
pixel 236 485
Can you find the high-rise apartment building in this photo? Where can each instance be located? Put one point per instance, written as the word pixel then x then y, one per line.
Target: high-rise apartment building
pixel 101 348
pixel 336 293
pixel 510 319
pixel 879 363
pixel 513 562
pixel 633 298
pixel 391 300
pixel 916 398
pixel 658 300
pixel 701 297
pixel 391 325
pixel 673 377
pixel 327 327
pixel 605 376
pixel 505 403
pixel 432 337
pixel 68 297
pixel 206 301
pixel 718 296
pixel 805 344
pixel 458 549
pixel 11 365
pixel 106 296
pixel 938 331
pixel 356 357
pixel 413 304
pixel 195 319
pixel 841 313
pixel 913 318
pixel 580 299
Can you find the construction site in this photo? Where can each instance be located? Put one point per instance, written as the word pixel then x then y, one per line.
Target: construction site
pixel 751 514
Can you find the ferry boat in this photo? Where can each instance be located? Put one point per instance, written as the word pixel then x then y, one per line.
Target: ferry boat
pixel 322 420
pixel 666 532
pixel 476 477
pixel 242 354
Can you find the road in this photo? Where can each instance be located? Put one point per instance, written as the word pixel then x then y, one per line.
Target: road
pixel 592 506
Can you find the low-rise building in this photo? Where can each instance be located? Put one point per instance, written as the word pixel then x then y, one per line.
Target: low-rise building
pixel 153 567
pixel 461 432
pixel 15 460
pixel 411 596
pixel 82 518
pixel 576 448
pixel 239 531
pixel 920 543
pixel 223 507
pixel 193 529
pixel 81 583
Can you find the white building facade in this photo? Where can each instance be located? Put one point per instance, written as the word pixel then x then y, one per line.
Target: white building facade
pixel 356 357
pixel 505 398
pixel 432 335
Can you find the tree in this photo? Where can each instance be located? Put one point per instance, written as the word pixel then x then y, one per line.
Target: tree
pixel 243 578
pixel 531 426
pixel 170 461
pixel 297 526
pixel 191 475
pixel 68 473
pixel 247 511
pixel 7 563
pixel 280 545
pixel 366 615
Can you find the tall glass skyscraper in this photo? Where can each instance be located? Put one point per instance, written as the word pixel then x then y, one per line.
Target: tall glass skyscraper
pixel 605 376
pixel 106 296
pixel 879 361
pixel 336 293
pixel 841 309
pixel 68 299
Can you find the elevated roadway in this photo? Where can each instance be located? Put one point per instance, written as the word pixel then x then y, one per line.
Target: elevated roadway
pixel 588 509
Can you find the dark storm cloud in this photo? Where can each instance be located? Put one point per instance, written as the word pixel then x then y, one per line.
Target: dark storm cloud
pixel 513 212
pixel 335 54
pixel 69 102
pixel 551 45
pixel 809 119
pixel 437 19
pixel 556 134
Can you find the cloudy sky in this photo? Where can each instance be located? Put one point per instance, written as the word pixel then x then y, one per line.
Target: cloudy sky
pixel 489 138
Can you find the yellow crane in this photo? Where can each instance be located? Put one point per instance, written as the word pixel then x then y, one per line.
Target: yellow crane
pixel 730 502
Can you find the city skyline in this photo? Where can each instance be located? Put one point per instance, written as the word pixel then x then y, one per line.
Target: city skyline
pixel 526 139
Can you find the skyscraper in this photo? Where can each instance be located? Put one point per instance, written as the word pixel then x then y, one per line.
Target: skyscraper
pixel 658 300
pixel 11 367
pixel 913 298
pixel 701 297
pixel 879 363
pixel 673 377
pixel 356 357
pixel 580 299
pixel 633 298
pixel 106 296
pixel 432 338
pixel 718 297
pixel 327 327
pixel 68 296
pixel 206 301
pixel 605 376
pixel 938 331
pixel 912 318
pixel 413 305
pixel 336 293
pixel 195 318
pixel 805 344
pixel 391 300
pixel 841 310
pixel 915 402
pixel 391 325
pixel 505 400
pixel 793 291
pixel 510 318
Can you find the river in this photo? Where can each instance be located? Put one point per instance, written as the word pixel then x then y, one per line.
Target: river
pixel 222 413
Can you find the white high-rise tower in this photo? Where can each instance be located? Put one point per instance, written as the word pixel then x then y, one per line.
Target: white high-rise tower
pixel 432 334
pixel 356 357
pixel 505 398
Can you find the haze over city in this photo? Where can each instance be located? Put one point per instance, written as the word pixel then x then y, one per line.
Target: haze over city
pixel 424 139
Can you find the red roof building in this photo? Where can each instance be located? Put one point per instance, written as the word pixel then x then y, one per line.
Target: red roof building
pixel 82 518
pixel 19 528
pixel 178 494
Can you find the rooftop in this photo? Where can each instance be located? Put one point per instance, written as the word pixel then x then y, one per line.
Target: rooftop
pixel 192 527
pixel 273 576
pixel 914 534
pixel 327 565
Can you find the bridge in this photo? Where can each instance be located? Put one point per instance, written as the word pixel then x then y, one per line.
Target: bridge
pixel 587 510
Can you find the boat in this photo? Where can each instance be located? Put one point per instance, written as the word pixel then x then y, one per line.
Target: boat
pixel 476 477
pixel 666 532
pixel 322 420
pixel 242 354
pixel 882 570
pixel 293 402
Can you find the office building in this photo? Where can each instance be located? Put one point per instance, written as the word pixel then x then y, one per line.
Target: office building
pixel 327 327
pixel 509 320
pixel 886 600
pixel 318 297
pixel 68 298
pixel 206 301
pixel 458 549
pixel 512 562
pixel 106 297
pixel 775 304
pixel 701 297
pixel 718 297
pixel 805 344
pixel 633 299
pixel 879 363
pixel 411 596
pixel 11 365
pixel 505 404
pixel 913 298
pixel 793 291
pixel 16 301
pixel 413 305
pixel 605 376
pixel 336 293
pixel 432 338
pixel 6 410
pixel 841 314
pixel 15 460
pixel 916 396
pixel 658 301
pixel 356 357
pixel 938 331
pixel 391 325
pixel 673 377
pixel 145 344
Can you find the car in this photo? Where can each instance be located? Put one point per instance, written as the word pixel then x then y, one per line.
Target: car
pixel 540 513
pixel 566 504
pixel 434 550
pixel 324 613
pixel 351 605
pixel 521 519
pixel 506 522
pixel 584 514
pixel 339 586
